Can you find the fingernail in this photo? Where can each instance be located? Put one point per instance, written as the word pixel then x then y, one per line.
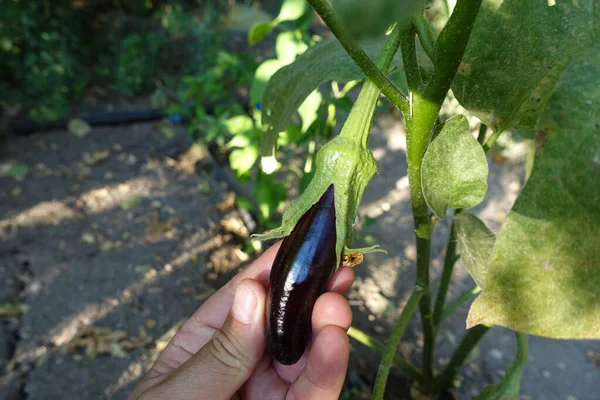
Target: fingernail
pixel 244 304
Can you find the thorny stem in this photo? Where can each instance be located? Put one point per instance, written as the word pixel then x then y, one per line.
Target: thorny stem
pixel 392 344
pixel 373 73
pixel 376 345
pixel 469 341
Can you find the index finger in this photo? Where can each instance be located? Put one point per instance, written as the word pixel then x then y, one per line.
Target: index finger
pixel 215 309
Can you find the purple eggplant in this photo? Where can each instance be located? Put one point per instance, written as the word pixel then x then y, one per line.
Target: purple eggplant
pixel 302 267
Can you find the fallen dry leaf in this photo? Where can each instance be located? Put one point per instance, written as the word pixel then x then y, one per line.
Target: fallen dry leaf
pixel 98 340
pixel 594 356
pixel 227 203
pixel 95 157
pixel 235 225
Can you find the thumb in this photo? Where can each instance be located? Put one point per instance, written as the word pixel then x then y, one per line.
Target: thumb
pixel 226 362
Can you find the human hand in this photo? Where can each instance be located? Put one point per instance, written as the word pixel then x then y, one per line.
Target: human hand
pixel 219 353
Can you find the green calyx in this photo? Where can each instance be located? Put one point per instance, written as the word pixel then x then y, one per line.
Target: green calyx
pixel 344 162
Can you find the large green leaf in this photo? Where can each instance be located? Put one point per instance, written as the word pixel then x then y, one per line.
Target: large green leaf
pixel 475 242
pixel 517 53
pixel 544 274
pixel 454 169
pixel 290 85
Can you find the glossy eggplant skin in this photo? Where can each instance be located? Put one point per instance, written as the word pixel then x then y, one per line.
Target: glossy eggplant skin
pixel 302 267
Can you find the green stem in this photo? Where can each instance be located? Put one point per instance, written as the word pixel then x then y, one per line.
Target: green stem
pixel 490 142
pixel 449 261
pixel 460 300
pixel 423 252
pixel 361 337
pixel 450 47
pixel 409 59
pixel 425 35
pixel 392 344
pixel 373 73
pixel 482 132
pixel 469 341
pixel 420 120
pixel 367 99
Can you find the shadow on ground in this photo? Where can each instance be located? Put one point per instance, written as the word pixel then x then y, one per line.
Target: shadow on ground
pixel 113 239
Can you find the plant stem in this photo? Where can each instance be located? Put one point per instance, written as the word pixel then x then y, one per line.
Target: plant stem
pixel 492 139
pixel 361 337
pixel 482 132
pixel 469 341
pixel 425 35
pixel 328 15
pixel 450 47
pixel 460 300
pixel 449 261
pixel 392 344
pixel 423 252
pixel 409 59
pixel 367 98
pixel 424 109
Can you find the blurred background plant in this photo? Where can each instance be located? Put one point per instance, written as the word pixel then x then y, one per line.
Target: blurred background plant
pixel 205 62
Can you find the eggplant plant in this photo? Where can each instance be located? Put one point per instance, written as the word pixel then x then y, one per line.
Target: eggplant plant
pixel 529 66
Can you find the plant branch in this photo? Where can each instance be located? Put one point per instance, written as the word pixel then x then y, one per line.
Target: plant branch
pixel 449 261
pixel 492 139
pixel 373 73
pixel 403 364
pixel 409 59
pixel 482 133
pixel 469 341
pixel 460 300
pixel 423 254
pixel 450 47
pixel 425 35
pixel 392 344
pixel 425 107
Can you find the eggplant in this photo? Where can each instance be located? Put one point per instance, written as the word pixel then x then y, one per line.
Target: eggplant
pixel 302 267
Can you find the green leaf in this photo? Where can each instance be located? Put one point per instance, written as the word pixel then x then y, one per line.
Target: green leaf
pixel 454 169
pixel 308 109
pixel 287 46
pixel 239 124
pixel 269 195
pixel 130 203
pixel 262 75
pixel 543 276
pixel 291 10
pixel 475 242
pixel 373 17
pixel 517 52
pixel 18 170
pixel 258 31
pixel 290 86
pixel 242 160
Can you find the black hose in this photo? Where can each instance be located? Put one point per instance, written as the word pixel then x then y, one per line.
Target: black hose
pixel 26 126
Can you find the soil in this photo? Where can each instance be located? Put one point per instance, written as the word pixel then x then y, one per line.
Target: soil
pixel 112 239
